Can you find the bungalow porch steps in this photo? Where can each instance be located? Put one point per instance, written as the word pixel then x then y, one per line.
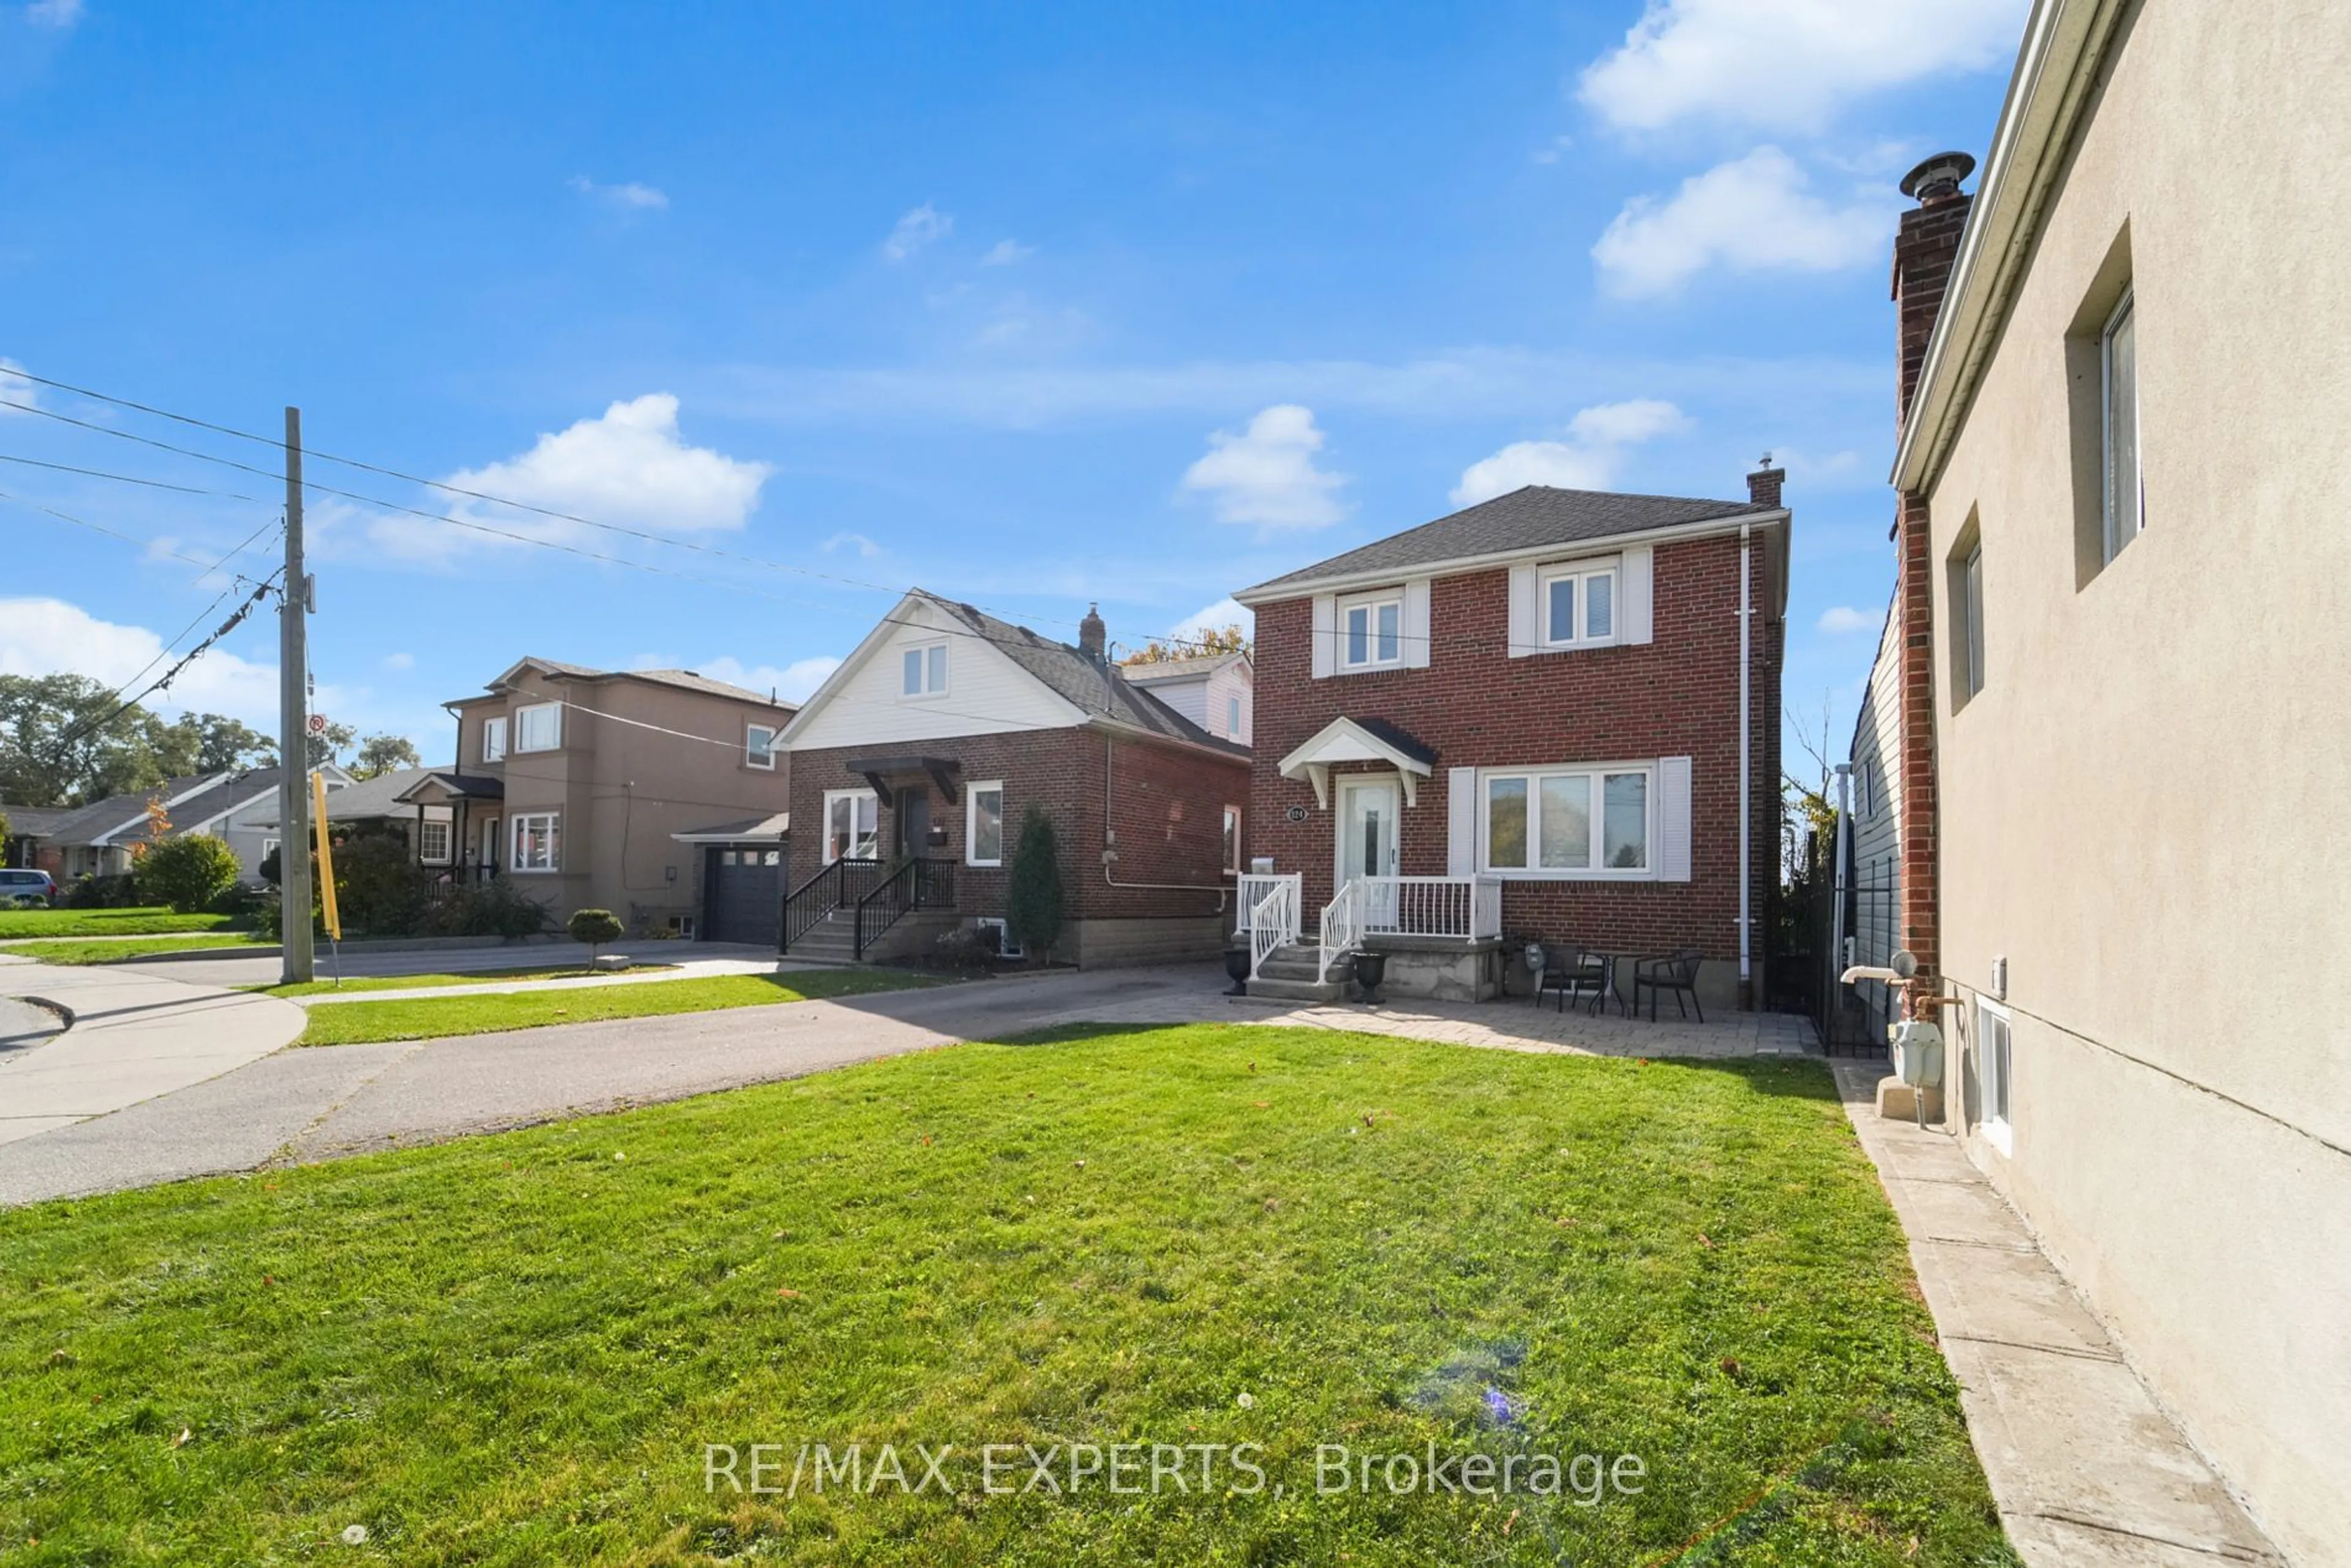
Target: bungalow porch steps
pixel 1290 974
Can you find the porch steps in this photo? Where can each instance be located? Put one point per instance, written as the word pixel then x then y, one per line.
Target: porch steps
pixel 1288 975
pixel 829 941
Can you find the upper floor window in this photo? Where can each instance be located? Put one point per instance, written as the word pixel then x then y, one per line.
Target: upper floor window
pixel 1371 632
pixel 2126 498
pixel 1233 718
pixel 924 671
pixel 1591 823
pixel 1580 605
pixel 539 727
pixel 759 747
pixel 494 740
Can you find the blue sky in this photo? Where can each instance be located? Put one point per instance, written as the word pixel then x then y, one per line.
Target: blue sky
pixel 1033 307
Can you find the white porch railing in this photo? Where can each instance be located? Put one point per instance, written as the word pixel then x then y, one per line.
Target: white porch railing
pixel 1342 926
pixel 1273 919
pixel 1250 891
pixel 1466 907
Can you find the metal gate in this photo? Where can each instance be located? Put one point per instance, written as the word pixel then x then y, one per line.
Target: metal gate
pixel 746 893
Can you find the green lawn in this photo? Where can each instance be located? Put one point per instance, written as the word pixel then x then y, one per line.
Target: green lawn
pixel 433 1017
pixel 514 1350
pixel 397 982
pixel 136 947
pixel 21 923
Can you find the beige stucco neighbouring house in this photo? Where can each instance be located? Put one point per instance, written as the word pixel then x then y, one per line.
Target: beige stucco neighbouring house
pixel 2127 602
pixel 657 794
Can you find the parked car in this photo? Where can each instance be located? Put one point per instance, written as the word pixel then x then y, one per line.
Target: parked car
pixel 28 887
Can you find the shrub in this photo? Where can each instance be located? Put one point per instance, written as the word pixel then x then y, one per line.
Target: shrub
pixel 970 947
pixel 378 889
pixel 595 928
pixel 492 908
pixel 117 891
pixel 186 873
pixel 1032 907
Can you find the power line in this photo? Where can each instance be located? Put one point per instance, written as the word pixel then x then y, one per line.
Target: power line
pixel 152 546
pixel 122 478
pixel 193 654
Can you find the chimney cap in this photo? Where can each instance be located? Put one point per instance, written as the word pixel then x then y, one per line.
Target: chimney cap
pixel 1938 179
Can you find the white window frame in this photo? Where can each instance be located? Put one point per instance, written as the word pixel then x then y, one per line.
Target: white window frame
pixel 1996 1072
pixel 825 827
pixel 931 669
pixel 1971 620
pixel 518 828
pixel 268 848
pixel 1369 606
pixel 522 726
pixel 494 739
pixel 1236 862
pixel 424 841
pixel 1582 573
pixel 2123 518
pixel 972 792
pixel 759 747
pixel 1233 717
pixel 1598 774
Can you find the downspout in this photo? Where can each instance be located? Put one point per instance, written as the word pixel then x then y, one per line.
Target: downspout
pixel 1839 960
pixel 1110 841
pixel 1746 769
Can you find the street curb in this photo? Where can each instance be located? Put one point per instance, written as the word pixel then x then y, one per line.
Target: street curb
pixel 387 945
pixel 65 1014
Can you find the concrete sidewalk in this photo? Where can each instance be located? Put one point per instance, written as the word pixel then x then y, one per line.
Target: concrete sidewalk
pixel 692 970
pixel 2087 1470
pixel 133 1037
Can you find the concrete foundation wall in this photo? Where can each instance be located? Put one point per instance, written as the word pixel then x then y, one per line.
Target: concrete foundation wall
pixel 1113 944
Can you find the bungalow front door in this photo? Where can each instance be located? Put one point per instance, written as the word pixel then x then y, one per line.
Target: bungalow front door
pixel 1368 843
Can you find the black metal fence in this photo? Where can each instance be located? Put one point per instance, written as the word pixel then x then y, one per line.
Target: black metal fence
pixel 1809 947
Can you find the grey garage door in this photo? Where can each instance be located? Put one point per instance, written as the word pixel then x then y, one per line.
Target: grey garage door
pixel 747 889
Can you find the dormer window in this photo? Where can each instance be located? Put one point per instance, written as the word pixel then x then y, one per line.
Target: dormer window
pixel 1371 631
pixel 924 671
pixel 1579 605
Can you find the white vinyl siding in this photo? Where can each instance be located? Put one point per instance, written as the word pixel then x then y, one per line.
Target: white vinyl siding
pixel 539 727
pixel 494 740
pixel 537 842
pixel 983 828
pixel 865 705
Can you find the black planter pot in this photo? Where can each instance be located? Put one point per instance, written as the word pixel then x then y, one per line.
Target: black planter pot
pixel 1370 969
pixel 1236 968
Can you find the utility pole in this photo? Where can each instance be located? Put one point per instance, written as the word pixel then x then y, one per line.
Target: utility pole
pixel 294 729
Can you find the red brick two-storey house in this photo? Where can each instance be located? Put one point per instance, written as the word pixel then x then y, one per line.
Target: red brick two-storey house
pixel 913 765
pixel 1554 714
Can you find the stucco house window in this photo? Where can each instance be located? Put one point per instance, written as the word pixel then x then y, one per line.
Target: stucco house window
pixel 759 747
pixel 1993 1062
pixel 494 740
pixel 1371 632
pixel 1971 620
pixel 539 727
pixel 2126 495
pixel 433 842
pixel 983 834
pixel 1567 823
pixel 538 841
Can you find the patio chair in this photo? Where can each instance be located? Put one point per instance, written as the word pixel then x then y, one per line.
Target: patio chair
pixel 1677 974
pixel 1571 972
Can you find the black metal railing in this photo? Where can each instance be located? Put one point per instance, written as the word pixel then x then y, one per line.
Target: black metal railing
pixel 840 885
pixel 915 885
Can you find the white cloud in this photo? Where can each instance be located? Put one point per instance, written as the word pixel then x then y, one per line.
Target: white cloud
pixel 864 547
pixel 1551 152
pixel 915 230
pixel 15 387
pixel 60 13
pixel 1840 619
pixel 1587 460
pixel 1223 612
pixel 1751 215
pixel 626 466
pixel 628 197
pixel 400 661
pixel 1787 65
pixel 50 636
pixel 1006 252
pixel 791 681
pixel 1265 475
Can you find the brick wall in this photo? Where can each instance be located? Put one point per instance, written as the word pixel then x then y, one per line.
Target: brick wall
pixel 1476 707
pixel 1167 803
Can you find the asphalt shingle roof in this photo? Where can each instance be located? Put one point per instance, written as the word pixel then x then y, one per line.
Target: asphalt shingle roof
pixel 1532 517
pixel 687 680
pixel 1096 690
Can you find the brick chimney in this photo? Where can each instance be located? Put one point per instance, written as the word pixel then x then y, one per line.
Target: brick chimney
pixel 1092 636
pixel 1925 248
pixel 1763 484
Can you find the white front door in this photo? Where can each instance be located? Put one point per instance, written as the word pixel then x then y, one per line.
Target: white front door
pixel 1367 844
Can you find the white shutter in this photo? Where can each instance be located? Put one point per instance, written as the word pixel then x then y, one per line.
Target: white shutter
pixel 1326 633
pixel 1638 577
pixel 1460 822
pixel 1673 819
pixel 1523 591
pixel 1416 623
